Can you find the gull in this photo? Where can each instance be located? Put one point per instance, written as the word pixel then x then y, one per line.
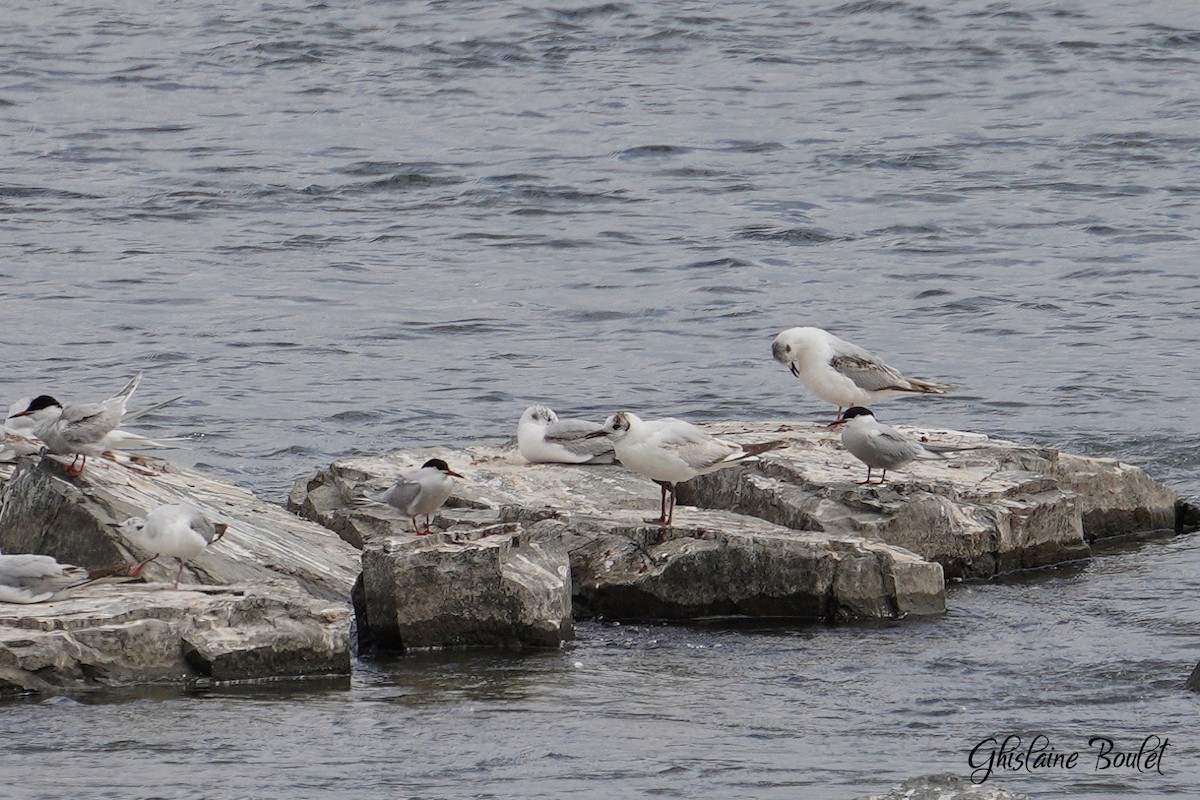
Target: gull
pixel 84 429
pixel 840 372
pixel 544 438
pixel 180 530
pixel 417 493
pixel 669 450
pixel 28 578
pixel 879 446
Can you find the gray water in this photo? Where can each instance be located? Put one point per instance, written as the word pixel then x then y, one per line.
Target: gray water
pixel 353 227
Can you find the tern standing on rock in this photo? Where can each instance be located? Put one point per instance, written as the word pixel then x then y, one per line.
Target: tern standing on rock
pixel 180 530
pixel 418 493
pixel 668 451
pixel 544 438
pixel 878 446
pixel 78 429
pixel 840 372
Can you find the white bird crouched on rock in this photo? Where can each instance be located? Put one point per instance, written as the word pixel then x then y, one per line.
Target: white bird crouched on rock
pixel 879 446
pixel 669 451
pixel 27 578
pixel 544 438
pixel 842 373
pixel 180 530
pixel 417 493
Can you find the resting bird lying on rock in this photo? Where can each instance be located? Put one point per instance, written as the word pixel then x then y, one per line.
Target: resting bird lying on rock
pixel 840 372
pixel 417 493
pixel 668 451
pixel 27 578
pixel 544 438
pixel 180 530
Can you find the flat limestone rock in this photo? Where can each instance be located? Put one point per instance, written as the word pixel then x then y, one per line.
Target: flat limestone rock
pixel 710 563
pixel 992 507
pixel 105 635
pixel 69 518
pixel 495 588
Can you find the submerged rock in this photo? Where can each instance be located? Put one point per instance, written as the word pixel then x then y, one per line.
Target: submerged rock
pixel 946 787
pixel 106 636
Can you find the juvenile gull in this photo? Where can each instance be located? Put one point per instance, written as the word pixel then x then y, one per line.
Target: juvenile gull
pixel 417 493
pixel 668 451
pixel 877 445
pixel 180 530
pixel 840 372
pixel 27 578
pixel 544 438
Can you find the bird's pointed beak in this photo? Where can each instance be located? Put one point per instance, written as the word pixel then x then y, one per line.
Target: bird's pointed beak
pixel 21 414
pixel 220 528
pixel 835 425
pixel 794 369
pixel 452 472
pixel 596 434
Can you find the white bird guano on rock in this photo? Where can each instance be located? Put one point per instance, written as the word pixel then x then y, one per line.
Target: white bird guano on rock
pixel 840 372
pixel 879 446
pixel 417 493
pixel 179 529
pixel 544 438
pixel 669 451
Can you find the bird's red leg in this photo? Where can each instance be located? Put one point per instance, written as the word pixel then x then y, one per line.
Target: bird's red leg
pixel 662 516
pixel 671 509
pixel 136 570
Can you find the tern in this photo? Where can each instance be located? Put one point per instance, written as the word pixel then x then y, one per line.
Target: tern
pixel 417 493
pixel 877 445
pixel 544 438
pixel 669 451
pixel 840 372
pixel 84 429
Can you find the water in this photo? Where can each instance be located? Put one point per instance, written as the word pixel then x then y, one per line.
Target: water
pixel 352 227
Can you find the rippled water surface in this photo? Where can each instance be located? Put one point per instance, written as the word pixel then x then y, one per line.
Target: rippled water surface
pixel 351 227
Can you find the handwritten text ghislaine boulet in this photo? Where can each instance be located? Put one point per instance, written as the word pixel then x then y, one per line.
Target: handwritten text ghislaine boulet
pixel 1037 754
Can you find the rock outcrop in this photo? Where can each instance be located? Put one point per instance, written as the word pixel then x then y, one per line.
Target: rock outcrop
pixel 990 508
pixel 791 535
pixel 269 600
pixel 71 519
pixel 711 563
pixel 106 636
pixel 495 587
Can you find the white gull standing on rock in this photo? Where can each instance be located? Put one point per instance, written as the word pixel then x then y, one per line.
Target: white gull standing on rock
pixel 840 372
pixel 180 530
pixel 544 438
pixel 669 451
